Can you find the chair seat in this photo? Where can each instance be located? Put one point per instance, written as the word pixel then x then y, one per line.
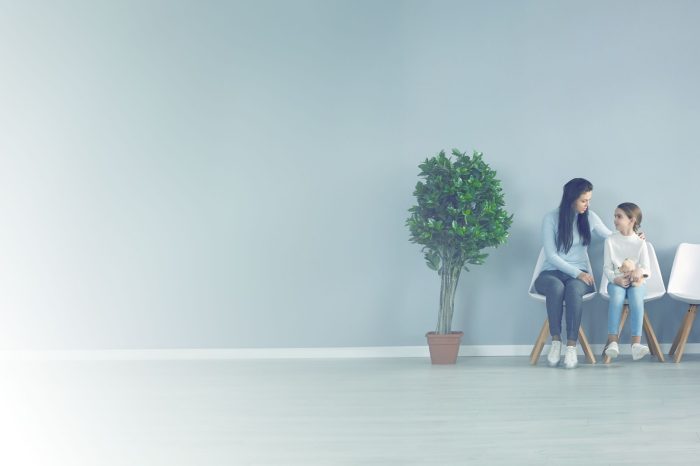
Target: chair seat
pixel 543 298
pixel 647 297
pixel 686 298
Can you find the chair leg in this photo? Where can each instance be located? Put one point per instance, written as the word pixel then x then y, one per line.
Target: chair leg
pixel 677 339
pixel 654 346
pixel 586 347
pixel 686 331
pixel 539 343
pixel 623 318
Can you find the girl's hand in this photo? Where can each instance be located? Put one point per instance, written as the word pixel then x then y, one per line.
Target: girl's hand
pixel 636 276
pixel 624 281
pixel 586 278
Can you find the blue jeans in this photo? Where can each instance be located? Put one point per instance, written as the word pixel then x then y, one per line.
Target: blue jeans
pixel 560 288
pixel 635 298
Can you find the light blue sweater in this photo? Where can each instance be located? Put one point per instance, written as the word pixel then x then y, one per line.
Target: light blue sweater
pixel 576 259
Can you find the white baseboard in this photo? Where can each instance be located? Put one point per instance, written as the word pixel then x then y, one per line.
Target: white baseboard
pixel 287 353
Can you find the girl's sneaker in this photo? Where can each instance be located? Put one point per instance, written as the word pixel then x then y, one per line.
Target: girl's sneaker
pixel 639 351
pixel 612 350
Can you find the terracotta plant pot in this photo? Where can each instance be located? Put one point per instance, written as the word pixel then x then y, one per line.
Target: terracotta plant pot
pixel 444 348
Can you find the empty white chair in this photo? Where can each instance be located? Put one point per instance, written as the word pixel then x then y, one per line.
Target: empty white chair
pixel 684 285
pixel 544 332
pixel 655 290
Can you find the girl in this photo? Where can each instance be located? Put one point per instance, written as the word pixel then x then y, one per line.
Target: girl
pixel 621 245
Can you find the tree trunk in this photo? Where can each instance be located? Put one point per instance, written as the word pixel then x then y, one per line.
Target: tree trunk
pixel 449 276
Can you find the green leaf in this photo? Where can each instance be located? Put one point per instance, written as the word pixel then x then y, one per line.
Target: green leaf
pixel 460 207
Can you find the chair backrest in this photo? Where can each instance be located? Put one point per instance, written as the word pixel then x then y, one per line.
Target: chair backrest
pixel 655 283
pixel 536 273
pixel 684 283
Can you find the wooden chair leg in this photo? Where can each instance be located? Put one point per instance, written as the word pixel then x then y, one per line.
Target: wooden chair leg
pixel 623 318
pixel 539 343
pixel 654 346
pixel 677 339
pixel 586 347
pixel 686 331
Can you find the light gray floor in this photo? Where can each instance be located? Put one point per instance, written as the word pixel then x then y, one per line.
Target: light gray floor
pixel 488 410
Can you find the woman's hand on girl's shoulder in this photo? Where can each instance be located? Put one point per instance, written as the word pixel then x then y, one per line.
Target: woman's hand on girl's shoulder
pixel 642 236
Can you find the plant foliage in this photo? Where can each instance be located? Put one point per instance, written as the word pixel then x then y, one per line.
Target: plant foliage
pixel 459 212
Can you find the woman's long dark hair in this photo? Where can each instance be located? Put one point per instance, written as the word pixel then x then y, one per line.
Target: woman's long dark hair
pixel 565 235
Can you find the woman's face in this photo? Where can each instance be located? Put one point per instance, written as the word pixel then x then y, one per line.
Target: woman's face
pixel 623 223
pixel 581 204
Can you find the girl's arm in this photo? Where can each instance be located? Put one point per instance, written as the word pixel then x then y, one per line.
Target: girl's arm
pixel 609 268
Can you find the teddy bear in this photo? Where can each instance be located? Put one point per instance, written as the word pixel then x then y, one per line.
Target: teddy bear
pixel 626 269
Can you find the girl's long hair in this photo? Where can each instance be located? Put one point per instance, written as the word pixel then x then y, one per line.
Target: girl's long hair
pixel 565 235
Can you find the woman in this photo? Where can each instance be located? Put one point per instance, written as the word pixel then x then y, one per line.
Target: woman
pixel 621 245
pixel 565 278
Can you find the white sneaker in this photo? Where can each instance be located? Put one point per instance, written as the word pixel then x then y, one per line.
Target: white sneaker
pixel 639 351
pixel 554 355
pixel 570 357
pixel 612 350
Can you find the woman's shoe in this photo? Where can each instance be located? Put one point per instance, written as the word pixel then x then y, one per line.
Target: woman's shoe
pixel 570 357
pixel 554 355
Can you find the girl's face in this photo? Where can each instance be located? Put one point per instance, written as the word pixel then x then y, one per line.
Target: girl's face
pixel 581 204
pixel 623 223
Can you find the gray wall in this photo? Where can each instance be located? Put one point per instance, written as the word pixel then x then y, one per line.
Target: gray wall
pixel 238 174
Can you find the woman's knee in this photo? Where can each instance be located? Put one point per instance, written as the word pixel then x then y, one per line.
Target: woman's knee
pixel 576 288
pixel 549 285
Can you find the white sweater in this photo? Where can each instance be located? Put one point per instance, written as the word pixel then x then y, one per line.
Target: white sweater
pixel 618 248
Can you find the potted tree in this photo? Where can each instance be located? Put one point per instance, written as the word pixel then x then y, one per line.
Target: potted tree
pixel 459 212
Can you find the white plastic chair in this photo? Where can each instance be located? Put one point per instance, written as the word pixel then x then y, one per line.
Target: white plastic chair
pixel 544 332
pixel 655 290
pixel 684 285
